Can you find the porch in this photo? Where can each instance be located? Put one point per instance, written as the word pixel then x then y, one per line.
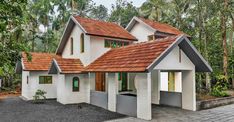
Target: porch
pixel 135 95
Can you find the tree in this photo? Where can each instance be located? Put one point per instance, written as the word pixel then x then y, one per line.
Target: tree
pixel 99 12
pixel 122 12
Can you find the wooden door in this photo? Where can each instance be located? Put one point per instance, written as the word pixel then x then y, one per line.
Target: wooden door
pixel 100 84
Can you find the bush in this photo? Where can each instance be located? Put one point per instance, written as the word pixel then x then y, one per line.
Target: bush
pixel 39 96
pixel 218 90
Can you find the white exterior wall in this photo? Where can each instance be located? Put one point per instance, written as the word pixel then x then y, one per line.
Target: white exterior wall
pixel 171 61
pixel 164 81
pixel 143 86
pixel 188 90
pixel 141 32
pixel 28 90
pixel 85 56
pixel 178 82
pixel 25 87
pixel 97 47
pixel 65 93
pixel 155 86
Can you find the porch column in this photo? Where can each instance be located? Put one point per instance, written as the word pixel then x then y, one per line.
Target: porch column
pixel 155 78
pixel 112 79
pixel 188 90
pixel 61 88
pixel 143 86
pixel 91 85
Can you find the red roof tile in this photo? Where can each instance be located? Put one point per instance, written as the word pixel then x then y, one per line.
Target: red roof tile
pixel 70 65
pixel 39 62
pixel 132 58
pixel 162 27
pixel 106 29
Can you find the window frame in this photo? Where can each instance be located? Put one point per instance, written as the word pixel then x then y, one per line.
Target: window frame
pixel 108 43
pixel 45 78
pixel 82 49
pixel 75 89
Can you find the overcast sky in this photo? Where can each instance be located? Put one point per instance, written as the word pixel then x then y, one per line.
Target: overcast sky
pixel 108 3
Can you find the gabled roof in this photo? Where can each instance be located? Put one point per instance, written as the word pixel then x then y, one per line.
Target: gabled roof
pixel 156 26
pixel 94 28
pixel 38 62
pixel 142 57
pixel 48 61
pixel 66 66
pixel 102 28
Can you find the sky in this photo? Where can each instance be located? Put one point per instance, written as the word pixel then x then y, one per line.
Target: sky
pixel 108 3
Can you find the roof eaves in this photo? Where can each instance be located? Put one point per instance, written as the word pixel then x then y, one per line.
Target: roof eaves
pixel 140 21
pixel 110 37
pixel 199 55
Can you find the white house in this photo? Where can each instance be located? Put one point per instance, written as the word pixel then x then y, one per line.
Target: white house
pixel 103 64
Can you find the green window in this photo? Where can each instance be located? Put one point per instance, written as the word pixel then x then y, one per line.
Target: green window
pixel 123 77
pixel 75 84
pixel 107 43
pixel 45 79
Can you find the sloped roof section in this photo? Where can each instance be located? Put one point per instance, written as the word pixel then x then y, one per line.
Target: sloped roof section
pixel 105 29
pixel 162 27
pixel 38 62
pixel 143 57
pixel 133 58
pixel 66 66
pixel 156 26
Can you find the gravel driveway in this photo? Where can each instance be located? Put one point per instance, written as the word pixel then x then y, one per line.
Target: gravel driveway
pixel 16 110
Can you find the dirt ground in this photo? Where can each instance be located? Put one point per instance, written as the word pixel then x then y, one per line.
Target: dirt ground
pixel 4 94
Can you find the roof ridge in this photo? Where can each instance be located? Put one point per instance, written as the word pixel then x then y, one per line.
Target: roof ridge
pixel 94 19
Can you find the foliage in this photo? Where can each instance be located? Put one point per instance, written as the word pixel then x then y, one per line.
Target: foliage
pixel 39 96
pixel 122 12
pixel 219 89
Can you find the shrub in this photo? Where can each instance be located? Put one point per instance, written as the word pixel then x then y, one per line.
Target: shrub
pixel 219 88
pixel 39 96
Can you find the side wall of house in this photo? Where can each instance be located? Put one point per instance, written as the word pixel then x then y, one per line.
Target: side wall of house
pixel 76 35
pixel 97 49
pixel 65 93
pixel 29 89
pixel 141 32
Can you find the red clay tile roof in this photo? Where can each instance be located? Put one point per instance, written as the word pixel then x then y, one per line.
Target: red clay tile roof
pixel 132 58
pixel 70 65
pixel 39 62
pixel 105 29
pixel 162 27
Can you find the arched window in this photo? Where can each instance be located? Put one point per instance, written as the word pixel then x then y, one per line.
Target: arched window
pixel 75 84
pixel 82 43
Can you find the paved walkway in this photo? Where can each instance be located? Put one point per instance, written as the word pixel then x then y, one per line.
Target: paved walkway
pixel 16 110
pixel 168 114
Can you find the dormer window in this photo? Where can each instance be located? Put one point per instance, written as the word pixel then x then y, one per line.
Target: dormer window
pixel 114 43
pixel 82 43
pixel 71 46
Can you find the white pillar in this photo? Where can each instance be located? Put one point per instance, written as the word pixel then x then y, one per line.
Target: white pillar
pixel 112 79
pixel 188 90
pixel 61 88
pixel 155 82
pixel 143 86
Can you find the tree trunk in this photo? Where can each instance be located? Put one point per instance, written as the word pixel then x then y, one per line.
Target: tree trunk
pixel 231 47
pixel 224 41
